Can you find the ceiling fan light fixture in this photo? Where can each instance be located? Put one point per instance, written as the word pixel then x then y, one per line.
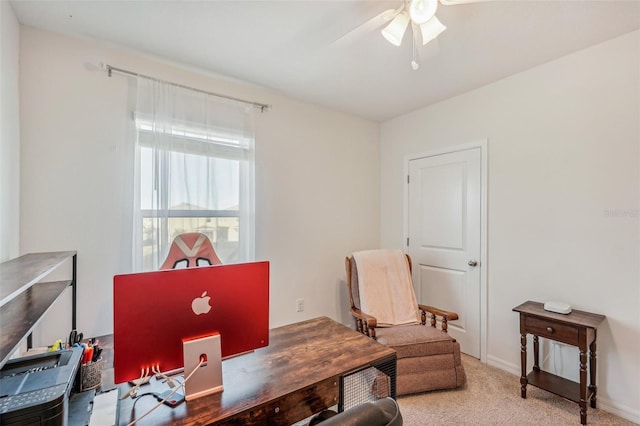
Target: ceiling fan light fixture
pixel 431 29
pixel 422 11
pixel 395 30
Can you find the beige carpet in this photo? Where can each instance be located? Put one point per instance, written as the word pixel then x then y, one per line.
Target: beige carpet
pixel 492 397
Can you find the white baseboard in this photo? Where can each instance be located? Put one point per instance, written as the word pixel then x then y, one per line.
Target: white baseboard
pixel 621 410
pixel 503 365
pixel 605 404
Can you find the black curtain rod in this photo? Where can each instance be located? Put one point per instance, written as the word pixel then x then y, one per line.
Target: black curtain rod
pixel 110 69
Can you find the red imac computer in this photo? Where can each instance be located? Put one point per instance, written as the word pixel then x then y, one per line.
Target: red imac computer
pixel 162 318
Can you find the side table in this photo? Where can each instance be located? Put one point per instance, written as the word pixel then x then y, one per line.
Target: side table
pixel 578 329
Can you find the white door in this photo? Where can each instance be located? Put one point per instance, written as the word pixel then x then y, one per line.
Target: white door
pixel 444 219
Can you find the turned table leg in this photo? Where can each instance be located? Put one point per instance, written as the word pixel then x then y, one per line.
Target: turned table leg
pixel 523 365
pixel 592 373
pixel 583 386
pixel 536 353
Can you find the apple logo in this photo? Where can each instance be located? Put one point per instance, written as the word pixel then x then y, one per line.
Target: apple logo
pixel 200 305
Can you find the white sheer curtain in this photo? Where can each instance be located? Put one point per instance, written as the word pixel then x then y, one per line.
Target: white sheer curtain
pixel 194 172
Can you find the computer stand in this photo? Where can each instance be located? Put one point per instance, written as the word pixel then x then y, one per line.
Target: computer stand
pixel 208 378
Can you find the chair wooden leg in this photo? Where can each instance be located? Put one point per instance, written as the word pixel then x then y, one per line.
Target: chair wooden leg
pixel 358 325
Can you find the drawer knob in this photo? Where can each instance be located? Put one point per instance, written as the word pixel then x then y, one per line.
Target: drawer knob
pixel 550 330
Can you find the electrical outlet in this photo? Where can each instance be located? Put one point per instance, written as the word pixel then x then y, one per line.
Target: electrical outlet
pixel 300 305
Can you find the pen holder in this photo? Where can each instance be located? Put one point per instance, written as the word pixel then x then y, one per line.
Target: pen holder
pixel 91 375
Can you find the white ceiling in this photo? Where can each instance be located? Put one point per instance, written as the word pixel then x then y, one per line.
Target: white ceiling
pixel 290 46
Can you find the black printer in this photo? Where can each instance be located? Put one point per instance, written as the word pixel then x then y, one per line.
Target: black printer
pixel 35 390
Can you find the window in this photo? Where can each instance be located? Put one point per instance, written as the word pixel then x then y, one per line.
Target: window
pixel 193 176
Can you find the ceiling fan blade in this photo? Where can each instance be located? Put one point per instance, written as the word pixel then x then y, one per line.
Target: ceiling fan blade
pixel 365 28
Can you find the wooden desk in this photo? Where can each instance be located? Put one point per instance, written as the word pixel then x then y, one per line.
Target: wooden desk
pixel 299 374
pixel 578 329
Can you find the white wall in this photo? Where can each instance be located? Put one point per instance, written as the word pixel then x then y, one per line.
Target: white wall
pixel 563 152
pixel 317 176
pixel 9 133
pixel 563 199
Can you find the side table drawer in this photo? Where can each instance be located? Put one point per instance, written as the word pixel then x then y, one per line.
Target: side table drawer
pixel 552 330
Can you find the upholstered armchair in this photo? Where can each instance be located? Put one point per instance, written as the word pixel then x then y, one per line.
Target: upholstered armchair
pixel 384 306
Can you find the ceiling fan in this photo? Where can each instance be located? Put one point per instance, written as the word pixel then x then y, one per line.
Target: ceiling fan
pixel 420 15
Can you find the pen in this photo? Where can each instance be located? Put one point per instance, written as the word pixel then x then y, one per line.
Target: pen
pixel 96 353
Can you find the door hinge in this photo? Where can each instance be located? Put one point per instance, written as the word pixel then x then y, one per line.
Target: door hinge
pixel 407 241
pixel 408 179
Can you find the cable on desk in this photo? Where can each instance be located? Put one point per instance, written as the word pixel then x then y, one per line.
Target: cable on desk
pixel 144 379
pixel 186 379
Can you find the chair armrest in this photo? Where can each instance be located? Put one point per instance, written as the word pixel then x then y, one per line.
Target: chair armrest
pixel 435 312
pixel 450 316
pixel 366 323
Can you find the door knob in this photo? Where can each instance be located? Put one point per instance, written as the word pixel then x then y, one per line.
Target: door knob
pixel 473 263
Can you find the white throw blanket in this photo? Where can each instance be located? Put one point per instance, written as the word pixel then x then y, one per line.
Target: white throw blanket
pixel 385 288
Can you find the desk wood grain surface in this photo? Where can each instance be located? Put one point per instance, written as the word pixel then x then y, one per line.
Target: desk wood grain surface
pixel 296 376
